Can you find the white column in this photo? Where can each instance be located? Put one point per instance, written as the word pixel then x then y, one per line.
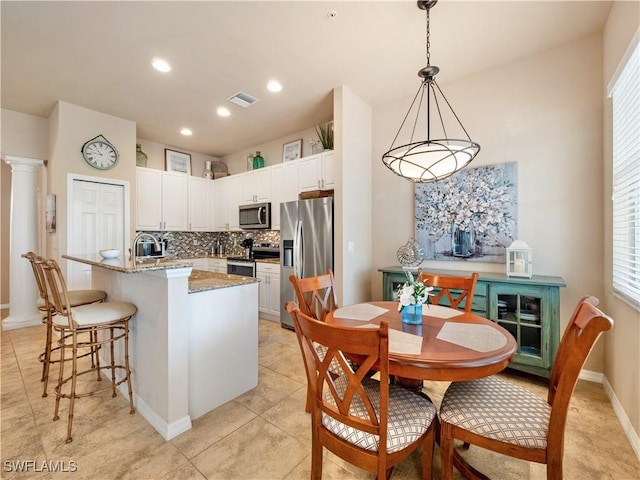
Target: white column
pixel 23 291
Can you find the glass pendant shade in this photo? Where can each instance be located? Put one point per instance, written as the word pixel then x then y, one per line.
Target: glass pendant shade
pixel 447 147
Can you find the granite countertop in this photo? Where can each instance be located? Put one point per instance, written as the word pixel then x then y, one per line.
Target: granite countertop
pixel 202 280
pixel 275 261
pixel 126 265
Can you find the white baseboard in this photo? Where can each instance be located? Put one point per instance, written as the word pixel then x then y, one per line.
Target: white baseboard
pixel 4 305
pixel 633 437
pixel 167 430
pixel 590 376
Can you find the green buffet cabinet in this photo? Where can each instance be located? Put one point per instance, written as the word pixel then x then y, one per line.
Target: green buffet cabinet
pixel 529 308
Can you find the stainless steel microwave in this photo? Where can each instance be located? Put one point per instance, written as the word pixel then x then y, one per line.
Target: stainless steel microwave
pixel 255 216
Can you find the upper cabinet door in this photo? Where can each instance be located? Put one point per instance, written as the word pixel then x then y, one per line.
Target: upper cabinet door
pixel 327 180
pixel 263 184
pixel 256 186
pixel 148 199
pixel 198 207
pixel 174 201
pixel 309 171
pixel 234 199
pixel 221 202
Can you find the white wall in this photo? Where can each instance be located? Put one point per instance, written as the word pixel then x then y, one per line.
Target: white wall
pixel 545 113
pixel 156 156
pixel 353 205
pixel 271 151
pixel 22 136
pixel 622 359
pixel 70 126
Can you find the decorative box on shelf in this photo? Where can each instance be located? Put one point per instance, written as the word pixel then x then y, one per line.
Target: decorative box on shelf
pixel 519 259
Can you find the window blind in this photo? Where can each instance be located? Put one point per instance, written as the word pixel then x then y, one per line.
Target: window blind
pixel 626 179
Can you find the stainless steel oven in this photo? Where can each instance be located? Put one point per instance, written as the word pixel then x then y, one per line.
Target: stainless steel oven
pixel 246 266
pixel 241 266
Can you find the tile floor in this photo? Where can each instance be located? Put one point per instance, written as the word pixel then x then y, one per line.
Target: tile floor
pixel 263 434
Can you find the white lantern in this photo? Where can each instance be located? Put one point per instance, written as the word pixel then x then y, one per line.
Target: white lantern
pixel 519 259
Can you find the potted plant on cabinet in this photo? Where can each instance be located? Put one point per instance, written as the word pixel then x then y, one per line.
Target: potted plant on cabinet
pixel 325 134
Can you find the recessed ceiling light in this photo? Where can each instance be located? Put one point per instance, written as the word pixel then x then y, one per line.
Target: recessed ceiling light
pixel 274 86
pixel 161 65
pixel 223 112
pixel 186 131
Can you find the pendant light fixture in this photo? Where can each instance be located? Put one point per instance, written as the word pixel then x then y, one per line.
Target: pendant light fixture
pixel 439 157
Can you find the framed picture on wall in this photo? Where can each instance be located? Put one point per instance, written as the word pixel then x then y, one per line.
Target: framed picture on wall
pixel 177 161
pixel 50 213
pixel 292 150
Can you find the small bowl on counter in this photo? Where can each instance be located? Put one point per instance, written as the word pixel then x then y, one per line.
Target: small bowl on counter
pixel 109 253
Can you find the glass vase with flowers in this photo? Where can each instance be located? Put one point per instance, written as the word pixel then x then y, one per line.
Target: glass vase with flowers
pixel 412 295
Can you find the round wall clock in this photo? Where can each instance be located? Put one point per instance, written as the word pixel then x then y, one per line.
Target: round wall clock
pixel 100 153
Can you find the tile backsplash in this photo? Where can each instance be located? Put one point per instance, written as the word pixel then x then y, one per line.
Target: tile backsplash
pixel 195 244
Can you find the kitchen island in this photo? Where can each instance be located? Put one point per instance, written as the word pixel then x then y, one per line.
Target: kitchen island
pixel 194 338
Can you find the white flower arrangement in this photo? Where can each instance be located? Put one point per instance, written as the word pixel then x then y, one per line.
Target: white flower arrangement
pixel 413 292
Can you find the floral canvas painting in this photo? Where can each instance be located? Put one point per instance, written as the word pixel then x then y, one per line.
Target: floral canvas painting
pixel 470 216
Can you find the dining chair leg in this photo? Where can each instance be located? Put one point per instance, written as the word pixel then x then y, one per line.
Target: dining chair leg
pixel 446 453
pixel 316 454
pixel 113 365
pixel 47 351
pixel 58 388
pixel 427 452
pixel 132 409
pixel 74 375
pixel 46 361
pixel 97 353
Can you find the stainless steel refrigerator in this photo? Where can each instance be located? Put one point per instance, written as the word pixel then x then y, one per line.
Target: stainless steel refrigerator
pixel 306 245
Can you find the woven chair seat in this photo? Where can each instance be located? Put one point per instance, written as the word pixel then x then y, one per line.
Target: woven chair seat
pixel 499 410
pixel 410 416
pixel 78 297
pixel 97 314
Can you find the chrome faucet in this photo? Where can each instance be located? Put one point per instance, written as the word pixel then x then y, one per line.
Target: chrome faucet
pixel 133 251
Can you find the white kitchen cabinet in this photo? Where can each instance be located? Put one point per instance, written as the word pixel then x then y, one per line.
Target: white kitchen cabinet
pixel 161 200
pixel 198 207
pixel 199 263
pixel 234 199
pixel 174 201
pixel 218 265
pixel 317 172
pixel 221 210
pixel 284 188
pixel 148 199
pixel 269 297
pixel 256 186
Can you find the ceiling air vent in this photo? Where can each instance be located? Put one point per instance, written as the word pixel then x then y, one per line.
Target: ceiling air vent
pixel 243 99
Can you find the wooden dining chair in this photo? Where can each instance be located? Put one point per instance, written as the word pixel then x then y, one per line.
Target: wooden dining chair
pixel 44 306
pixel 316 297
pixel 451 290
pixel 497 415
pixel 369 423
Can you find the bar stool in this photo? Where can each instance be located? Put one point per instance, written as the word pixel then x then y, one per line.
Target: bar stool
pixel 76 298
pixel 106 323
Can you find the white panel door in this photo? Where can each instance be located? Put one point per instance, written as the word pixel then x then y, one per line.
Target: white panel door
pixel 97 222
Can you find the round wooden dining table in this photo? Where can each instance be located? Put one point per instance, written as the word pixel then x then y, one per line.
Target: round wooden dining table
pixel 442 353
pixel 440 359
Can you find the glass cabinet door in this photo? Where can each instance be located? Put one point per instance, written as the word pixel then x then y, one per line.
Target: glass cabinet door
pixel 523 314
